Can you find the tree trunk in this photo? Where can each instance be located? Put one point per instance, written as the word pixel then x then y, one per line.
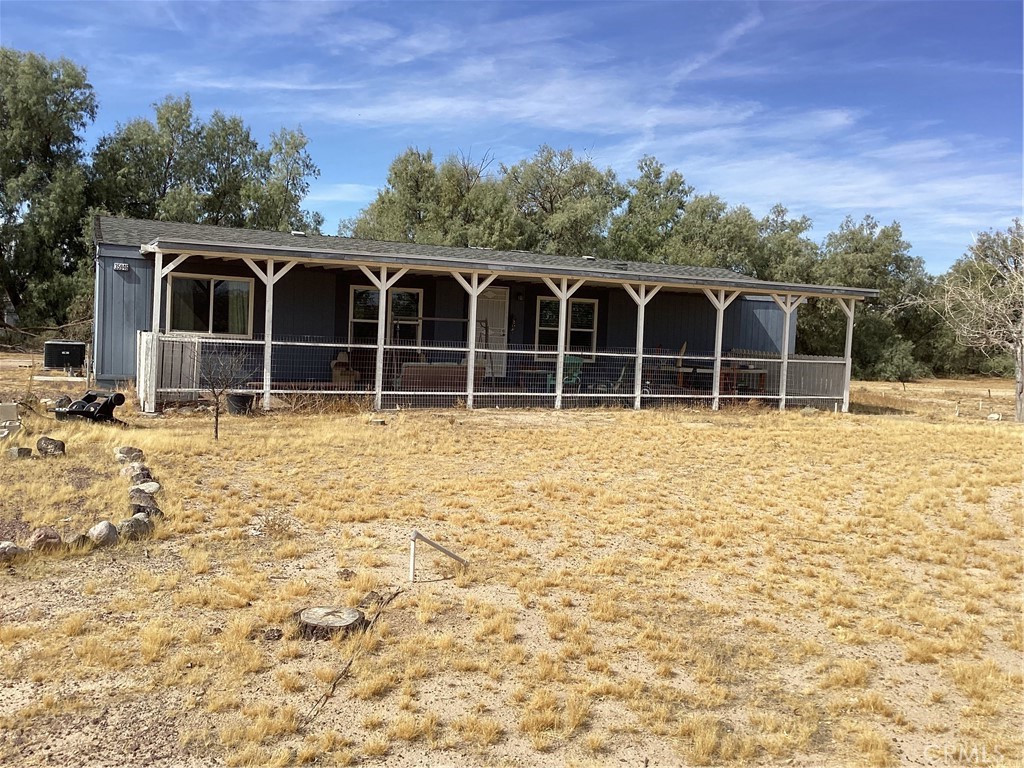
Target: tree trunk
pixel 323 622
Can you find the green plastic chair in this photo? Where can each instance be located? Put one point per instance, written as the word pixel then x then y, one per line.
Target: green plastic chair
pixel 572 369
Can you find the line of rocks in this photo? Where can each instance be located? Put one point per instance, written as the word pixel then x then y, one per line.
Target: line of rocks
pixel 142 506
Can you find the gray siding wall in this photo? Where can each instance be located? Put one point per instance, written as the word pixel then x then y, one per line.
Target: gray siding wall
pixel 124 304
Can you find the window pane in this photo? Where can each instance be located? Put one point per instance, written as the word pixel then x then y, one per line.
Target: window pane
pixel 364 332
pixel 404 333
pixel 580 340
pixel 548 314
pixel 405 304
pixel 547 338
pixel 364 304
pixel 231 307
pixel 582 315
pixel 190 305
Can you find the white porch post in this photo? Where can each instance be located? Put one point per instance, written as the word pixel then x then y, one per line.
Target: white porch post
pixel 787 303
pixel 268 332
pixel 269 279
pixel 159 273
pixel 720 301
pixel 474 288
pixel 563 292
pixel 382 284
pixel 148 397
pixel 642 298
pixel 847 306
pixel 158 284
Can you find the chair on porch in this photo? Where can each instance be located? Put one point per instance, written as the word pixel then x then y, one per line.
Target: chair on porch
pixel 621 384
pixel 342 372
pixel 572 370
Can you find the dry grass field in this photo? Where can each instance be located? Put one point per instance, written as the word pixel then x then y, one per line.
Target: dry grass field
pixel 673 587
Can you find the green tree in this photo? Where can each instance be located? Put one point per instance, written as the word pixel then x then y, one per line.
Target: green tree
pixel 275 201
pixel 565 204
pixel 150 169
pixel 655 201
pixel 785 254
pixel 404 211
pixel 710 234
pixel 178 168
pixel 44 107
pixel 865 254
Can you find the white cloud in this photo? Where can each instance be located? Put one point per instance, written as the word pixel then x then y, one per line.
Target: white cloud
pixel 724 43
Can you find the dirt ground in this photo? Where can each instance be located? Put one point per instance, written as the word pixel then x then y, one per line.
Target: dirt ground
pixel 673 587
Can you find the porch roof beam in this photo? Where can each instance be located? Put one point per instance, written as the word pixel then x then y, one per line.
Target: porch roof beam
pixel 170 267
pixel 517 271
pixel 480 264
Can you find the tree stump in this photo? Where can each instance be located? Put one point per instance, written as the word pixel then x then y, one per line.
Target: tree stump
pixel 323 622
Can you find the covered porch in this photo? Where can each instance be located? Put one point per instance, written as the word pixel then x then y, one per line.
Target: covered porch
pixel 400 332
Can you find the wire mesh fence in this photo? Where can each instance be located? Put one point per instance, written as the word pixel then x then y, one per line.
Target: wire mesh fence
pixel 439 373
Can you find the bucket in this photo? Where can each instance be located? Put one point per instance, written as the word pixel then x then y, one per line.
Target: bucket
pixel 239 405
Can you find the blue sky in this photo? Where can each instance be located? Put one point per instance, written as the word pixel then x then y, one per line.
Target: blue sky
pixel 908 111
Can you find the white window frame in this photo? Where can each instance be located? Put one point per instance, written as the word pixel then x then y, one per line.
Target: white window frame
pixel 210 278
pixel 568 330
pixel 389 321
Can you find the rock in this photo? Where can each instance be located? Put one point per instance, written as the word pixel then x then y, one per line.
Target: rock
pixel 19 453
pixel 135 528
pixel 62 402
pixel 143 499
pixel 103 534
pixel 995 417
pixel 43 540
pixel 78 542
pixel 47 446
pixel 132 468
pixel 9 550
pixel 141 477
pixel 370 599
pixel 150 487
pixel 126 454
pixel 140 509
pixel 273 633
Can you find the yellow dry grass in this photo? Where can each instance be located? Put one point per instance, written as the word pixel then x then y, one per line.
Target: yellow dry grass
pixel 687 587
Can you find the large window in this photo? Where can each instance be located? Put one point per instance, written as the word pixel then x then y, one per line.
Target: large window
pixel 219 306
pixel 580 330
pixel 404 321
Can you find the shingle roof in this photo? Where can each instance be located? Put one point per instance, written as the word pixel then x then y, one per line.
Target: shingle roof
pixel 137 232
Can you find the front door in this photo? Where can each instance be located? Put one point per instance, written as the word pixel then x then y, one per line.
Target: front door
pixel 492 331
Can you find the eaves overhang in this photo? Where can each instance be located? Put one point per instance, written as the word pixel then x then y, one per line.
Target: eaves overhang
pixel 588 270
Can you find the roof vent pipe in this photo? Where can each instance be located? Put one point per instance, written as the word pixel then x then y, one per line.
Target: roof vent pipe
pixel 298 233
pixel 590 257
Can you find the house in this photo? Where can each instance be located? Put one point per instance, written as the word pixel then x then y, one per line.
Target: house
pixel 417 325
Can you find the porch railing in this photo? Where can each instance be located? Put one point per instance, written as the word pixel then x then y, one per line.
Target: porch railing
pixel 435 373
